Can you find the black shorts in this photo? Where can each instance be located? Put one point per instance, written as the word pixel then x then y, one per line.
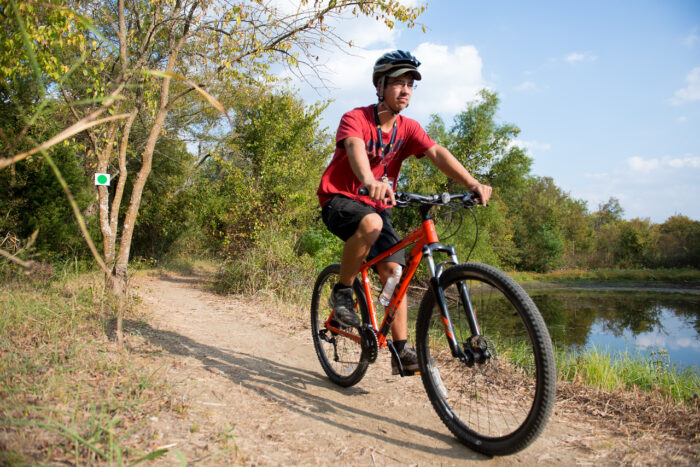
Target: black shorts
pixel 342 216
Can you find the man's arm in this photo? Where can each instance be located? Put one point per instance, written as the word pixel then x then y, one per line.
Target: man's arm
pixel 359 162
pixel 450 166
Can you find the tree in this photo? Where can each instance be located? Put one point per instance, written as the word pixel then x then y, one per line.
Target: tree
pixel 138 59
pixel 538 228
pixel 477 140
pixel 258 203
pixel 679 242
pixel 28 197
pixel 634 243
pixel 608 213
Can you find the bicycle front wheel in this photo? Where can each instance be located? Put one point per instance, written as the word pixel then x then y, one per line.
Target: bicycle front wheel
pixel 341 354
pixel 500 405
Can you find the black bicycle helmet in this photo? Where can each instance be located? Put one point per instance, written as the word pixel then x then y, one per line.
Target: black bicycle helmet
pixel 395 64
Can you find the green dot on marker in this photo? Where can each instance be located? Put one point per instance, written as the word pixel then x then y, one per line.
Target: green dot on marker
pixel 102 179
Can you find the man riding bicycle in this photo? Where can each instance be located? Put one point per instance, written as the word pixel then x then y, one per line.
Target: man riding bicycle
pixel 371 144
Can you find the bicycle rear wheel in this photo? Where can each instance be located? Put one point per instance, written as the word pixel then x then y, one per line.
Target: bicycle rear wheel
pixel 500 406
pixel 341 357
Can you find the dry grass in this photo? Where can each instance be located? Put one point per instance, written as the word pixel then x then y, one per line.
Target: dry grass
pixel 67 393
pixel 650 430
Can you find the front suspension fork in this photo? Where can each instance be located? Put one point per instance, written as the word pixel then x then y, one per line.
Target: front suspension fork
pixel 464 354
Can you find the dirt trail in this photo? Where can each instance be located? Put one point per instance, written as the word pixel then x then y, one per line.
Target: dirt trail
pixel 244 374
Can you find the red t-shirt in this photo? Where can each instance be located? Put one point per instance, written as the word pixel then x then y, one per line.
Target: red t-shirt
pixel 411 139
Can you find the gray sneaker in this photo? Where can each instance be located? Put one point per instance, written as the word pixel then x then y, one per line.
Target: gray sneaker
pixel 343 306
pixel 409 361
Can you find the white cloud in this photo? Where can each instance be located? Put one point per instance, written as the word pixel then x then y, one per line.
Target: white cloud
pixel 688 161
pixel 349 72
pixel 365 32
pixel 682 119
pixel 451 78
pixel 526 86
pixel 648 340
pixel 692 38
pixel 576 57
pixel 639 164
pixel 686 343
pixel 692 91
pixel 532 146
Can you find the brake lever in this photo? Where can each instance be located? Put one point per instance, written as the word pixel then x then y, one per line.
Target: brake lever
pixel 473 200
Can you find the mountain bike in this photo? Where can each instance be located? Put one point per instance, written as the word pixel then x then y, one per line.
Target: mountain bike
pixel 484 352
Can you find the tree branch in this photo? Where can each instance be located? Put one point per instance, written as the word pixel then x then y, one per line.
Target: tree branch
pixel 16 260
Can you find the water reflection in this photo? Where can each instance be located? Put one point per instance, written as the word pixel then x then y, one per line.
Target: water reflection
pixel 624 321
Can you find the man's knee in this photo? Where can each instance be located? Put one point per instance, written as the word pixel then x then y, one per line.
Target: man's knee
pixel 370 227
pixel 386 269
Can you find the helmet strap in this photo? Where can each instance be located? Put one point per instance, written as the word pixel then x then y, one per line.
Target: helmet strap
pixel 387 107
pixel 380 88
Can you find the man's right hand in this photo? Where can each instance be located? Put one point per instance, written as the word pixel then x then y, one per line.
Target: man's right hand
pixel 380 191
pixel 359 162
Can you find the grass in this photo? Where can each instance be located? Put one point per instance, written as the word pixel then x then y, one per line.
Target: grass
pixel 67 395
pixel 680 276
pixel 652 373
pixel 625 371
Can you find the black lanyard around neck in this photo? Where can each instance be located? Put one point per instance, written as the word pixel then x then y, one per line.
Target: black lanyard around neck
pixel 385 150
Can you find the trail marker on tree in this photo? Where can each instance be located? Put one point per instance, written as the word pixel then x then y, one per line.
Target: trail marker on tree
pixel 102 179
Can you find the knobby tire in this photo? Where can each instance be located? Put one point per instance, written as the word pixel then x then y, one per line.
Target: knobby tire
pixel 501 406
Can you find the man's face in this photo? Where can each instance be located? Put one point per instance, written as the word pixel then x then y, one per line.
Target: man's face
pixel 398 91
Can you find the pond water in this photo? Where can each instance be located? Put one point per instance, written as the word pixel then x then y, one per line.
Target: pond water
pixel 666 325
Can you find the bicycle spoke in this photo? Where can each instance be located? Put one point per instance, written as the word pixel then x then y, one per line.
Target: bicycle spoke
pixel 341 354
pixel 495 401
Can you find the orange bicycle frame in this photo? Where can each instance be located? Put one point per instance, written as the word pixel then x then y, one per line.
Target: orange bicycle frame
pixel 425 243
pixel 421 237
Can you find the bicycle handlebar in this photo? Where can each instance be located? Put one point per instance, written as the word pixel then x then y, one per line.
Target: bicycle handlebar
pixel 403 199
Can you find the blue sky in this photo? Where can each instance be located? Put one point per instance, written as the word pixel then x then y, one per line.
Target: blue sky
pixel 607 94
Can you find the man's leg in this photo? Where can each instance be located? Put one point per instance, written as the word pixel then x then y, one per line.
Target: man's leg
pixel 399 328
pixel 355 251
pixel 357 247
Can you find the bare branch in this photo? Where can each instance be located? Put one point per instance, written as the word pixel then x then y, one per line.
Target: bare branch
pixel 16 260
pixel 122 36
pixel 65 134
